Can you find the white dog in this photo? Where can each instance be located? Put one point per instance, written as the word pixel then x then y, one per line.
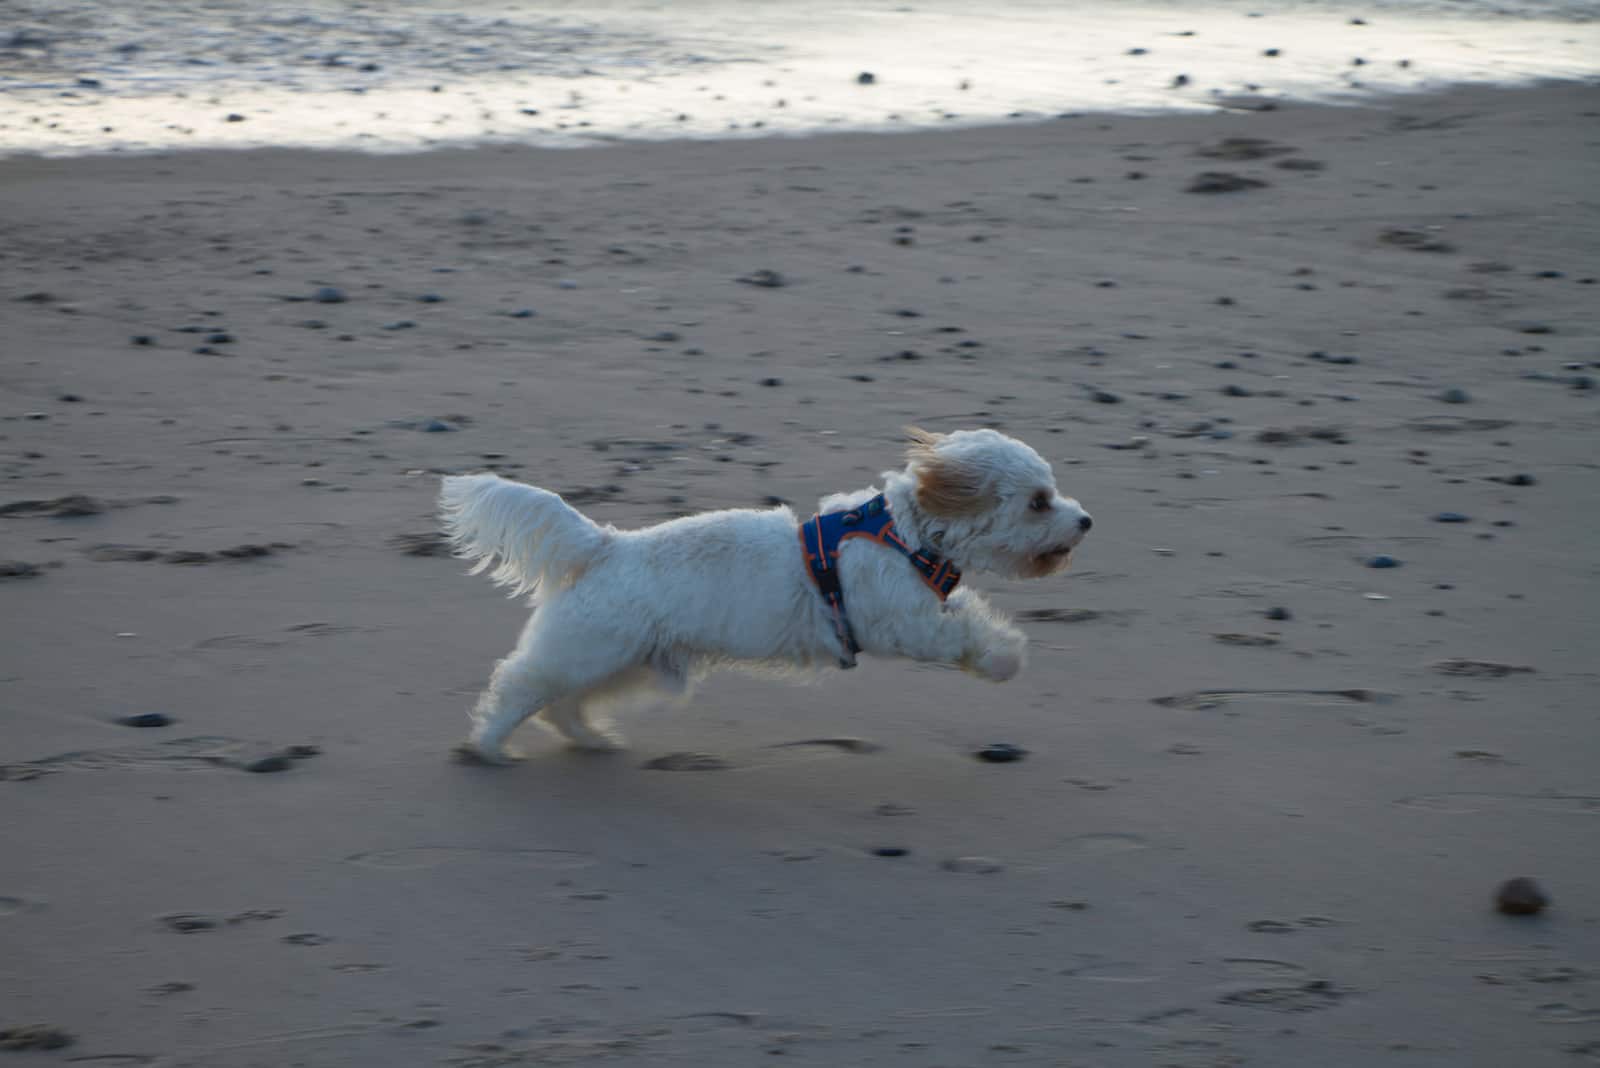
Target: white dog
pixel 620 612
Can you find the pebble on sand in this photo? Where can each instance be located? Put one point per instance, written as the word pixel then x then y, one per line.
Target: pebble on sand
pixel 146 719
pixel 1521 897
pixel 764 278
pixel 1382 560
pixel 1000 753
pixel 1223 182
pixel 35 1036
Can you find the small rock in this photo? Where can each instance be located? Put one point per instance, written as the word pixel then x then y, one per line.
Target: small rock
pixel 890 851
pixel 1257 640
pixel 765 278
pixel 973 865
pixel 35 1036
pixel 107 553
pixel 188 922
pixel 1223 182
pixel 437 426
pixel 1279 614
pixel 329 295
pixel 432 543
pixel 1382 560
pixel 1521 897
pixel 1516 480
pixel 1451 517
pixel 1104 396
pixel 686 762
pixel 1415 240
pixel 146 719
pixel 19 569
pixel 1455 395
pixel 1000 753
pixel 1462 667
pixel 75 504
pixel 142 339
pixel 866 77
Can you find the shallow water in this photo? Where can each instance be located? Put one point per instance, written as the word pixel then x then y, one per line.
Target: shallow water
pixel 81 76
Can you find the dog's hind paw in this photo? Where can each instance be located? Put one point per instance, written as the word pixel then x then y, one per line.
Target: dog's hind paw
pixel 468 752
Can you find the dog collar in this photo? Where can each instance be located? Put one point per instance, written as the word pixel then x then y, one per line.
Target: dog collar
pixel 820 538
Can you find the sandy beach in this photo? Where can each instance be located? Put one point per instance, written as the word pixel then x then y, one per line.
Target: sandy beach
pixel 1271 785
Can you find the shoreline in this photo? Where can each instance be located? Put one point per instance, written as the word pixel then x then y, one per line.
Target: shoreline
pixel 1248 110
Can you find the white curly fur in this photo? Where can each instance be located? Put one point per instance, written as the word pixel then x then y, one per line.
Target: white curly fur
pixel 624 614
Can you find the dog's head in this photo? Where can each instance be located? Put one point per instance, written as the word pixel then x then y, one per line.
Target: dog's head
pixel 988 502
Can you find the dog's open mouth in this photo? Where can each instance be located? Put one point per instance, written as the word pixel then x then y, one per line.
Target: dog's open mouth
pixel 1052 560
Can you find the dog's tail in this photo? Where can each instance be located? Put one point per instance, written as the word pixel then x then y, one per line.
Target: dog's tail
pixel 528 535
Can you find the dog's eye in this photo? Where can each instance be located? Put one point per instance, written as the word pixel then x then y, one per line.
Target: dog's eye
pixel 1041 502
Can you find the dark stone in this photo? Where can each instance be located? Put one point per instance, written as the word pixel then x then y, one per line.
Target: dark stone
pixel 523 313
pixel 437 426
pixel 142 339
pixel 430 298
pixel 891 851
pixel 1452 517
pixel 1516 480
pixel 1236 391
pixel 1223 182
pixel 1105 396
pixel 1521 897
pixel 1455 395
pixel 146 719
pixel 1000 753
pixel 772 382
pixel 188 922
pixel 1415 240
pixel 329 295
pixel 75 504
pixel 19 569
pixel 1280 614
pixel 866 77
pixel 35 1036
pixel 1382 560
pixel 686 762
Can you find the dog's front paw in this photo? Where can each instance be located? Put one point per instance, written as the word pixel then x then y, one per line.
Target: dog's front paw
pixel 469 752
pixel 998 665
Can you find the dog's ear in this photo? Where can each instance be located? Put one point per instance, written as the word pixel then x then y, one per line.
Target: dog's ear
pixel 946 487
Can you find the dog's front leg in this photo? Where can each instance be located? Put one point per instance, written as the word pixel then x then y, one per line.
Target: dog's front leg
pixel 965 632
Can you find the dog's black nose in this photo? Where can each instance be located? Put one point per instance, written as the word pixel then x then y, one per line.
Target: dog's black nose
pixel 1084 523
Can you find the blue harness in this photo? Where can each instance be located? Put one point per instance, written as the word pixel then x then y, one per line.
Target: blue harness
pixel 819 541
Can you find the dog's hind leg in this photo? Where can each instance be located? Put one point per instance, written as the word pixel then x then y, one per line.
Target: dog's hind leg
pixel 515 693
pixel 557 662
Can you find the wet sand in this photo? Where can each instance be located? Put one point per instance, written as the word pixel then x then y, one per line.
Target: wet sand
pixel 1271 788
